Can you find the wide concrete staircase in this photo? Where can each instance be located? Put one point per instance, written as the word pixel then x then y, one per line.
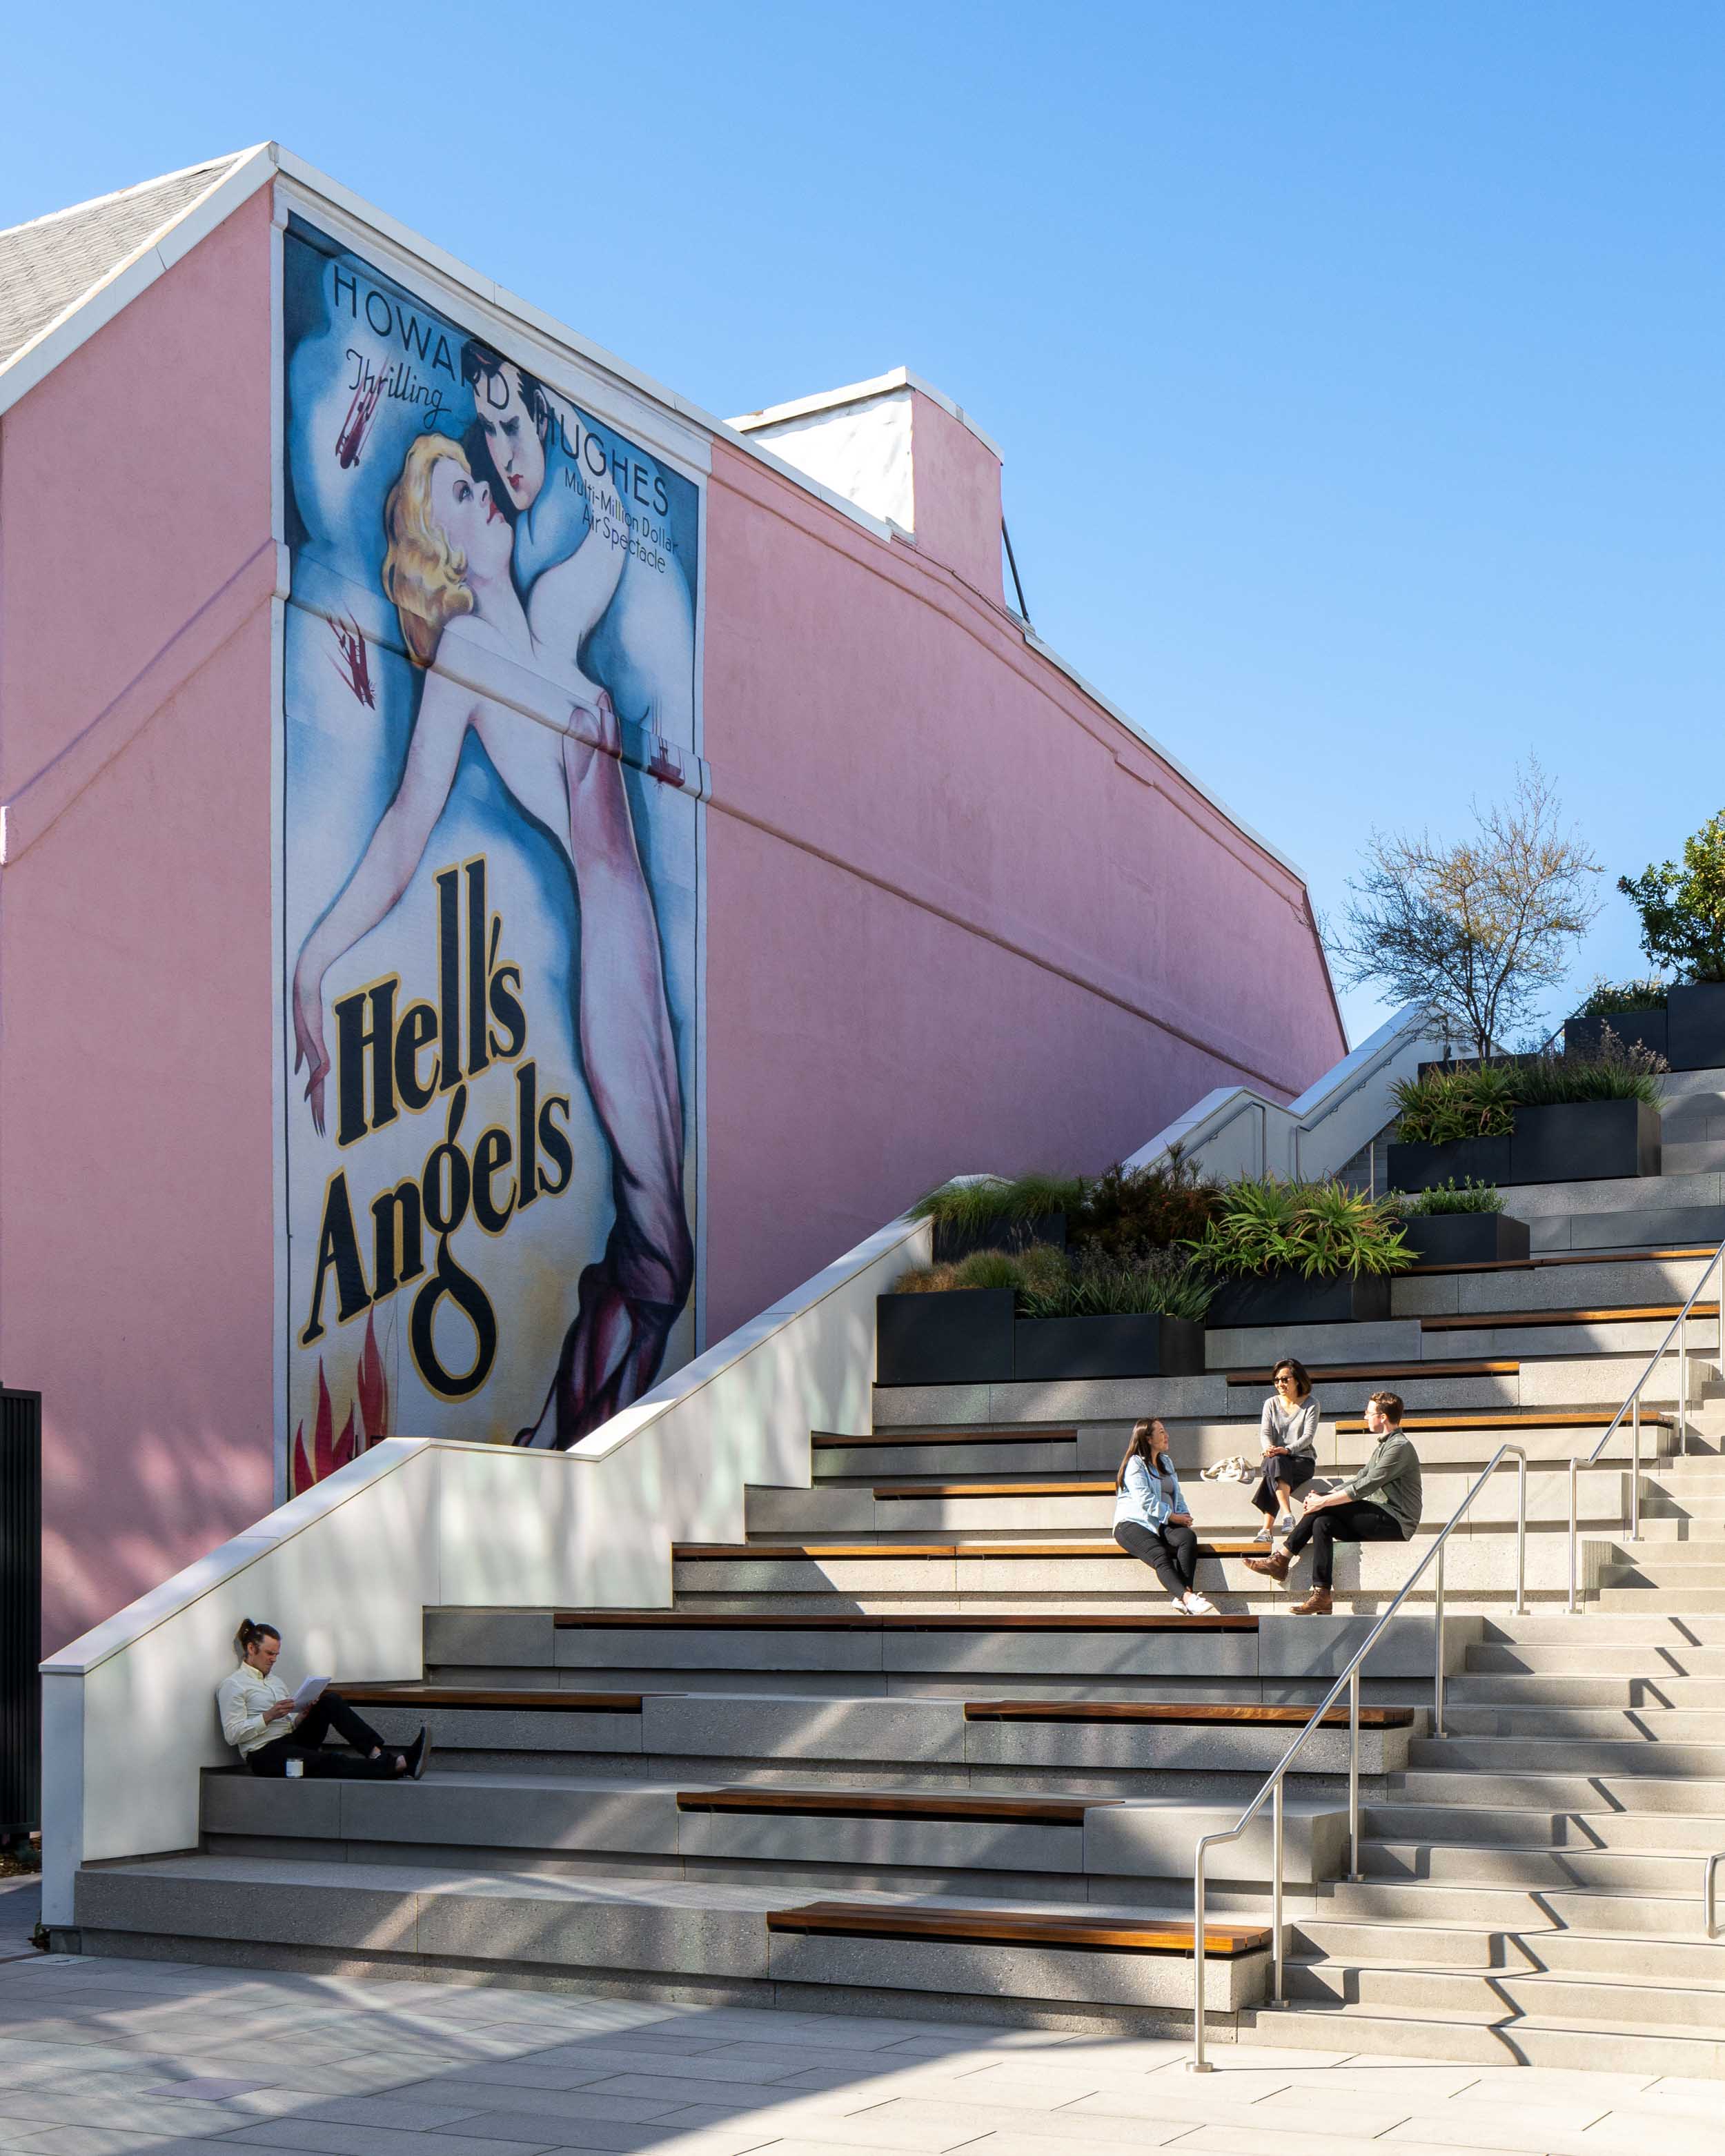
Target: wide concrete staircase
pixel 926 1741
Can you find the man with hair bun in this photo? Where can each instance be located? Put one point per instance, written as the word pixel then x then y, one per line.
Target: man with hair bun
pixel 1381 1504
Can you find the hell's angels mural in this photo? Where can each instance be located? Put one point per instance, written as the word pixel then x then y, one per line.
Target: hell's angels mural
pixel 489 890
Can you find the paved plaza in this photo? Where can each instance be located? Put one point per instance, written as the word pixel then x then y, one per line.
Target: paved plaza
pixel 100 2057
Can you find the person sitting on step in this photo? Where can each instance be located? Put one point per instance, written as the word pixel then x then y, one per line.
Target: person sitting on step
pixel 1152 1521
pixel 1382 1504
pixel 259 1720
pixel 1288 1428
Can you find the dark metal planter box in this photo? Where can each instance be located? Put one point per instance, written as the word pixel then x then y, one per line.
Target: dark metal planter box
pixel 1585 1141
pixel 1465 1238
pixel 1696 1026
pixel 1048 1349
pixel 960 1338
pixel 1464 1160
pixel 1634 1028
pixel 1291 1299
pixel 952 1243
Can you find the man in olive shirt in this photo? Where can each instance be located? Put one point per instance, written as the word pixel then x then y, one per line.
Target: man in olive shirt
pixel 1382 1504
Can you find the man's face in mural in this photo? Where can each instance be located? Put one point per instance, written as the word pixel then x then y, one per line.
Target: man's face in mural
pixel 517 452
pixel 470 519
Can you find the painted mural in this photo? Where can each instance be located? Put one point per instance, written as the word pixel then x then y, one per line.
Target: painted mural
pixel 489 886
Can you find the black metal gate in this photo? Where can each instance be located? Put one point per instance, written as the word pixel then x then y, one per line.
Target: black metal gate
pixel 20 1612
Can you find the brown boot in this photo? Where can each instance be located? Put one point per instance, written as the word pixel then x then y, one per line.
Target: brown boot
pixel 1318 1603
pixel 1273 1567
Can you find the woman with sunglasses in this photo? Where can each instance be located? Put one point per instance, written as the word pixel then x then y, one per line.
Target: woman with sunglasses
pixel 1288 1432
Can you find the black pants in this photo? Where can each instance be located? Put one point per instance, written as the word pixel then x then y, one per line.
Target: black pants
pixel 1296 1469
pixel 304 1740
pixel 1171 1552
pixel 1359 1521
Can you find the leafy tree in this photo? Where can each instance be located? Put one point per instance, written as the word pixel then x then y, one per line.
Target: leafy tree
pixel 1479 928
pixel 1682 909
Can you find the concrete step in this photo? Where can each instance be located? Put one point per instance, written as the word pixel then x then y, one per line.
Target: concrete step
pixel 1463 1864
pixel 1490 2038
pixel 1709 1601
pixel 1623 1957
pixel 1654 1725
pixel 1698 1694
pixel 1688 2007
pixel 697 1941
pixel 1589 1828
pixel 1527 1910
pixel 1556 1281
pixel 904 1834
pixel 1641 1794
pixel 1593 1755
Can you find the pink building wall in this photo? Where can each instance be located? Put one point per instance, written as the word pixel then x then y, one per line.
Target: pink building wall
pixel 958 917
pixel 135 1189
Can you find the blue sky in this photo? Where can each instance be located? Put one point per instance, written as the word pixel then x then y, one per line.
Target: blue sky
pixel 1357 367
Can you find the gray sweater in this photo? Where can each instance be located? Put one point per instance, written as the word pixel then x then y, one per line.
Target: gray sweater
pixel 1390 1479
pixel 1296 1430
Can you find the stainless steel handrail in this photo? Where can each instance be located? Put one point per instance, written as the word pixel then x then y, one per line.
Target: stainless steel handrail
pixel 1678 1330
pixel 1272 1789
pixel 1710 1893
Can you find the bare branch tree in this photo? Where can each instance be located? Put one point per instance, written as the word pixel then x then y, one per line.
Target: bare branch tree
pixel 1479 928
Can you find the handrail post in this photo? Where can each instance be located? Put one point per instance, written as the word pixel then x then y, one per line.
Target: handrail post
pixel 1198 2064
pixel 1437 1714
pixel 1353 1772
pixel 1574 1526
pixel 1635 1502
pixel 1276 1944
pixel 1521 1532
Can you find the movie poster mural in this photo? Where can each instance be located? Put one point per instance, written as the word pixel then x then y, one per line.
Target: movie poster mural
pixel 490 783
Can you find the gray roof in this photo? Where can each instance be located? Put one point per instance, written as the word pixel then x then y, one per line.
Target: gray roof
pixel 47 264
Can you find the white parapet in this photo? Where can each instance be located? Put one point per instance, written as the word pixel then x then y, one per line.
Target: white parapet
pixel 347 1570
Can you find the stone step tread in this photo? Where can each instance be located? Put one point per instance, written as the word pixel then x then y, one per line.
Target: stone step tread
pixel 1121 1928
pixel 1584 1979
pixel 1512 1419
pixel 1192 1714
pixel 1501 1320
pixel 1652 2047
pixel 777 1551
pixel 580 1620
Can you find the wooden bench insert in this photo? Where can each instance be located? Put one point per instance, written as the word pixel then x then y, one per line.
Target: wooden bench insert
pixel 1142 1935
pixel 541 1698
pixel 1628 1315
pixel 1510 1419
pixel 1371 1373
pixel 825 1442
pixel 754 1552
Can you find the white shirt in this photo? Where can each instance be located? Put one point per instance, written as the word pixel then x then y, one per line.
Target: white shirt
pixel 242 1697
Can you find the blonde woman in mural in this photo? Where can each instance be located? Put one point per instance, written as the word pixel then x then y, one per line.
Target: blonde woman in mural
pixel 488 661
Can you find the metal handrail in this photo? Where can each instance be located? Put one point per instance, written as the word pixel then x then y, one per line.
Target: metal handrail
pixel 1272 1789
pixel 1678 1330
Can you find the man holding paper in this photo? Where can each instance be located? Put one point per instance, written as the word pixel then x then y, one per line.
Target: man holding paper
pixel 277 1732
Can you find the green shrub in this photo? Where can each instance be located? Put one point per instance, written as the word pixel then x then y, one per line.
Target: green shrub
pixel 1450 1196
pixel 1127 1211
pixel 1480 1100
pixel 1321 1229
pixel 992 1197
pixel 1605 998
pixel 1047 1283
pixel 1474 1101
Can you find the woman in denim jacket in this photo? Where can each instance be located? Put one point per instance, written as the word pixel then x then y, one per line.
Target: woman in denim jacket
pixel 1152 1521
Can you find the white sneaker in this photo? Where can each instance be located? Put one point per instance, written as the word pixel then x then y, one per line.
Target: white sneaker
pixel 1266 1532
pixel 1199 1605
pixel 1178 1606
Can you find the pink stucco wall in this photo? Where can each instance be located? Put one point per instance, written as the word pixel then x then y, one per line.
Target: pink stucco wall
pixel 958 917
pixel 136 1233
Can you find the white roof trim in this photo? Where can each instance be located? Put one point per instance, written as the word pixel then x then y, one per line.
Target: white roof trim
pixel 859 393
pixel 245 172
pixel 251 169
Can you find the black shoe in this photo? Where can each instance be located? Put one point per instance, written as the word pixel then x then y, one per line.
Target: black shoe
pixel 418 1752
